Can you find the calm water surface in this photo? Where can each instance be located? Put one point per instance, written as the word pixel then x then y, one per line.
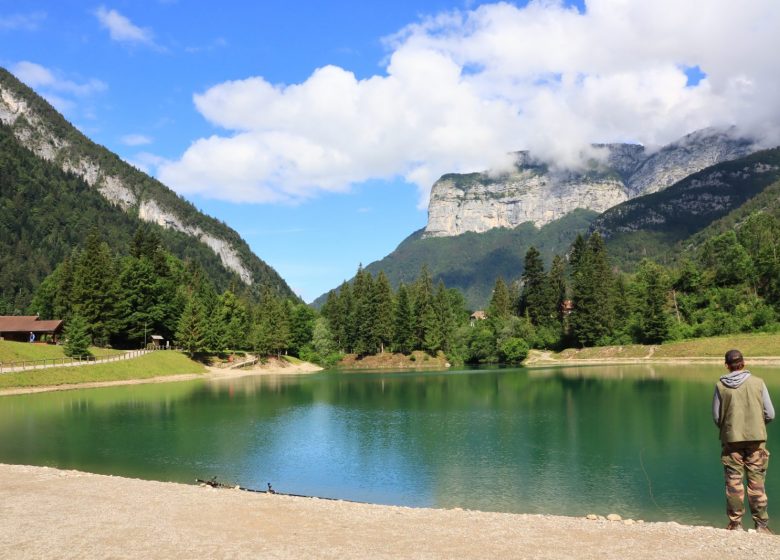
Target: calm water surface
pixel 635 440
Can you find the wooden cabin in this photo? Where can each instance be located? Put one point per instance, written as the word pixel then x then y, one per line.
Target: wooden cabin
pixel 28 328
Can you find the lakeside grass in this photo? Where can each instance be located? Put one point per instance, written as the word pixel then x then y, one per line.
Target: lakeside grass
pixel 764 345
pixel 154 364
pixel 19 351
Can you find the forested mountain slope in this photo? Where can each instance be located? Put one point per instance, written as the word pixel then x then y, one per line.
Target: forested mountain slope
pixel 657 225
pixel 45 213
pixel 56 182
pixel 471 262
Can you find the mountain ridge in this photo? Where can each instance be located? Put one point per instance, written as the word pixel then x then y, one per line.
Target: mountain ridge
pixel 540 193
pixel 39 128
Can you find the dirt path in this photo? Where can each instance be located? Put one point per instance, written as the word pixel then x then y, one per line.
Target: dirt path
pixel 48 513
pixel 273 367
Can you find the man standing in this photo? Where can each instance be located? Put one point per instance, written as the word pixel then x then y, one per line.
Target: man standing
pixel 741 408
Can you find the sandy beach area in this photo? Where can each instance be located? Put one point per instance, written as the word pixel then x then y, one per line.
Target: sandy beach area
pixel 272 367
pixel 50 513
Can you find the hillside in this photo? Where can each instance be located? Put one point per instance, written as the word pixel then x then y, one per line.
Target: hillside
pixel 710 201
pixel 472 261
pixel 56 184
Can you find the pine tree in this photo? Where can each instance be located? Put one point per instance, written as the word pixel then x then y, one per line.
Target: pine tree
pixel 592 317
pixel 77 339
pixel 424 314
pixel 654 316
pixel 500 302
pixel 95 289
pixel 190 333
pixel 403 322
pixel 383 306
pixel 537 299
pixel 558 284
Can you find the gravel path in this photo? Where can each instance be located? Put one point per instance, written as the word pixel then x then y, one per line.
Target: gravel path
pixel 49 513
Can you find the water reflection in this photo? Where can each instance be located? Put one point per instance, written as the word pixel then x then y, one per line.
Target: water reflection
pixel 636 440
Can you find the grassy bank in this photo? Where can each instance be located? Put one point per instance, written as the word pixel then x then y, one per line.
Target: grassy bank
pixel 752 346
pixel 155 364
pixel 19 351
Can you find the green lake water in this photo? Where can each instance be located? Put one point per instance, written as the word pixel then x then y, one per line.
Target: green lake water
pixel 634 440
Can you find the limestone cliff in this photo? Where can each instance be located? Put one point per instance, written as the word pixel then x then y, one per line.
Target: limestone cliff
pixel 43 131
pixel 538 193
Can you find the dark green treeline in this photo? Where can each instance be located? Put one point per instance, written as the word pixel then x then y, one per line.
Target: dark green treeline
pixel 122 301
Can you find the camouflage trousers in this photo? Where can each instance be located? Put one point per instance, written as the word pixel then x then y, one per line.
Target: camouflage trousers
pixel 739 459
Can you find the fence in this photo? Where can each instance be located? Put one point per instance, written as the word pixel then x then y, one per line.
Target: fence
pixel 26 365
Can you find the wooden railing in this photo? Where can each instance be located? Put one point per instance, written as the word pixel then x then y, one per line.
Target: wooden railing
pixel 26 365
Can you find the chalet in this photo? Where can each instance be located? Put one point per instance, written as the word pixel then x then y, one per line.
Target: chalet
pixel 477 316
pixel 24 328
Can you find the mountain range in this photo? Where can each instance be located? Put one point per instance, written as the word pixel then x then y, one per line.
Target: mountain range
pixel 658 204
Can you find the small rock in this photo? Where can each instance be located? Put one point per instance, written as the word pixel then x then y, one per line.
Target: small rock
pixel 640 520
pixel 628 522
pixel 602 518
pixel 592 516
pixel 751 530
pixel 613 517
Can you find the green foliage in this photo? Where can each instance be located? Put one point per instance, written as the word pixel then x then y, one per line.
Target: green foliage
pixel 191 332
pixel 77 340
pixel 592 290
pixel 514 350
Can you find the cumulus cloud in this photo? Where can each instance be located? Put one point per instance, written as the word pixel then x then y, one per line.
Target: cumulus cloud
pixel 121 29
pixel 462 89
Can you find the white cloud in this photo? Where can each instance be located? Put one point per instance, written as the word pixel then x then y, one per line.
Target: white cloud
pixel 28 22
pixel 40 77
pixel 121 29
pixel 147 162
pixel 461 89
pixel 136 139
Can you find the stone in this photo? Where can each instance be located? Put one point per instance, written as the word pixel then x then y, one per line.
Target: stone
pixel 613 517
pixel 628 522
pixel 540 193
pixel 592 516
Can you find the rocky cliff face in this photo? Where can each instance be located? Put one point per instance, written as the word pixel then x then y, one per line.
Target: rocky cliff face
pixel 37 134
pixel 536 193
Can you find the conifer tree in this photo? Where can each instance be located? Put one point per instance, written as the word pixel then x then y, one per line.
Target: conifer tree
pixel 424 314
pixel 403 322
pixel 191 330
pixel 95 289
pixel 558 284
pixel 383 308
pixel 537 299
pixel 500 302
pixel 592 317
pixel 76 336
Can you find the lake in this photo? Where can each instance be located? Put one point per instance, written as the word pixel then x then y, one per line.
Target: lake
pixel 634 440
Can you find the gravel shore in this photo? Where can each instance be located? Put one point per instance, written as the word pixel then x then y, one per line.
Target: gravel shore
pixel 50 513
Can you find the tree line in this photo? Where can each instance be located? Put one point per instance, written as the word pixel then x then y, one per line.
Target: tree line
pixel 729 283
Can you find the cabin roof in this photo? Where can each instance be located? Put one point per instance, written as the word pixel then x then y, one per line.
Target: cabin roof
pixel 28 323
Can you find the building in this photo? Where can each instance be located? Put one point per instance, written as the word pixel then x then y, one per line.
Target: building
pixel 28 328
pixel 477 316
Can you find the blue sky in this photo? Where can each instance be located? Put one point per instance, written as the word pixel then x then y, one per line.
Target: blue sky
pixel 165 84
